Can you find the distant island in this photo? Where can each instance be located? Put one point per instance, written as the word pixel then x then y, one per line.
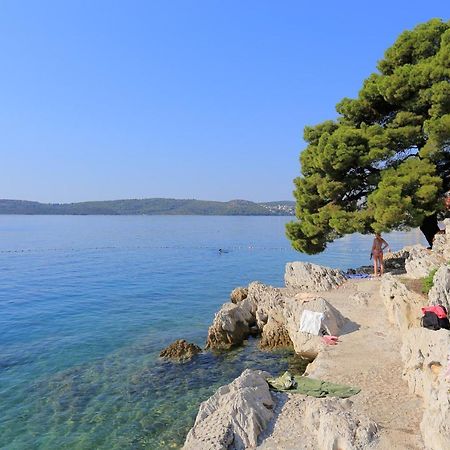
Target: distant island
pixel 150 206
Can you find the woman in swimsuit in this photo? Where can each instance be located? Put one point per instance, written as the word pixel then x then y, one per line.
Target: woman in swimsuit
pixel 379 244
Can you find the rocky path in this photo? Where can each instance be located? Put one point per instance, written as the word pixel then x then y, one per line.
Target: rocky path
pixel 367 356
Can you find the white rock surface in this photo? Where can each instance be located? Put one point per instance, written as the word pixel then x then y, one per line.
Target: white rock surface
pixel 360 298
pixel 234 416
pixel 425 354
pixel 310 277
pixel 281 310
pixel 421 262
pixel 312 423
pixel 277 313
pixel 440 292
pixel 441 242
pixel 403 305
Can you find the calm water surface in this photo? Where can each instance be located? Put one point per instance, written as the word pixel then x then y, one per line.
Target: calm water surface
pixel 87 303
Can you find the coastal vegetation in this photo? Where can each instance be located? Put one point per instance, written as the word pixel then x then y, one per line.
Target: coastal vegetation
pixel 427 282
pixel 384 163
pixel 150 206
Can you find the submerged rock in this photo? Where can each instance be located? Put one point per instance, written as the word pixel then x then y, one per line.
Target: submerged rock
pixel 312 277
pixel 180 350
pixel 234 416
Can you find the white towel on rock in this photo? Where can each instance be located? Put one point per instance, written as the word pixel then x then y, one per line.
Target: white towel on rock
pixel 311 322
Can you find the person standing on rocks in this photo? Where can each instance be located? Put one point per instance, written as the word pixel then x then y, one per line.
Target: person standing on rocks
pixel 378 246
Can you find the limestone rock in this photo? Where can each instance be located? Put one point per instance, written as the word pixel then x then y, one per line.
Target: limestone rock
pixel 426 357
pixel 399 254
pixel 440 292
pixel 403 305
pixel 234 416
pixel 360 298
pixel 231 325
pixel 311 277
pixel 238 294
pixel 441 242
pixel 275 335
pixel 180 350
pixel 276 313
pixel 327 423
pixel 361 269
pixel 394 262
pixel 305 343
pixel 421 262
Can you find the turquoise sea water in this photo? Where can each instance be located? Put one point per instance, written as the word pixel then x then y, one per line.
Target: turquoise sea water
pixel 87 303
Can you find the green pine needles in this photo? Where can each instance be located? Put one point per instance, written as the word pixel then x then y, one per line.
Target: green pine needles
pixel 384 163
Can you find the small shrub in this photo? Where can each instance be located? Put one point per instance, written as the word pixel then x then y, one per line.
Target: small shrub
pixel 427 282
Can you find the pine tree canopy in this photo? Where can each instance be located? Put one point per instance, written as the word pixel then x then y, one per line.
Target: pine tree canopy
pixel 384 163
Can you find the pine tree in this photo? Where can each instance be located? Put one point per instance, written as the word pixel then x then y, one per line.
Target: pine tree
pixel 384 163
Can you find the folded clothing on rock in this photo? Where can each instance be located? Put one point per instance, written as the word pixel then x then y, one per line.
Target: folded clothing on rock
pixel 298 384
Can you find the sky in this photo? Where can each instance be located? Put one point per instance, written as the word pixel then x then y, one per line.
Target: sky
pixel 202 99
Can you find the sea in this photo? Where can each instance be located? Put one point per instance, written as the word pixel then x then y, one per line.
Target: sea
pixel 88 302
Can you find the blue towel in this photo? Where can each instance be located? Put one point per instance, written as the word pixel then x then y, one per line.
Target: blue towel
pixel 357 275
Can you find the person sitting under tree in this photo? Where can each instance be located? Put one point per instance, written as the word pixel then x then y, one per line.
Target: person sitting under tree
pixel 378 246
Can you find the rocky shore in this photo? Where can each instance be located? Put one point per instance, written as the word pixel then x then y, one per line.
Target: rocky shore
pixel 401 368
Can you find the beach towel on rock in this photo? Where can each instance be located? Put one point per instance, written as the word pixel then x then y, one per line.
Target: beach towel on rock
pixel 311 322
pixel 310 386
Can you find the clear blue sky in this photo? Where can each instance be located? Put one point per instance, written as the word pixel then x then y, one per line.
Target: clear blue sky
pixel 198 99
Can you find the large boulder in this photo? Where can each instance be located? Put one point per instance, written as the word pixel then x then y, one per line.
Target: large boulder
pixel 234 416
pixel 421 262
pixel 306 343
pixel 325 423
pixel 441 242
pixel 232 324
pixel 278 315
pixel 440 292
pixel 403 305
pixel 180 350
pixel 310 277
pixel 426 360
pixel 275 335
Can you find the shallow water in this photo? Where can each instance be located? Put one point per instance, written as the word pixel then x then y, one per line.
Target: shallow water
pixel 88 302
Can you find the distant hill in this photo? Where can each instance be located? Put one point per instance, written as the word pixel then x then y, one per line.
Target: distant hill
pixel 151 206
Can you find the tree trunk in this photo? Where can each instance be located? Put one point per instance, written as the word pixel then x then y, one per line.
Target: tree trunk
pixel 429 228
